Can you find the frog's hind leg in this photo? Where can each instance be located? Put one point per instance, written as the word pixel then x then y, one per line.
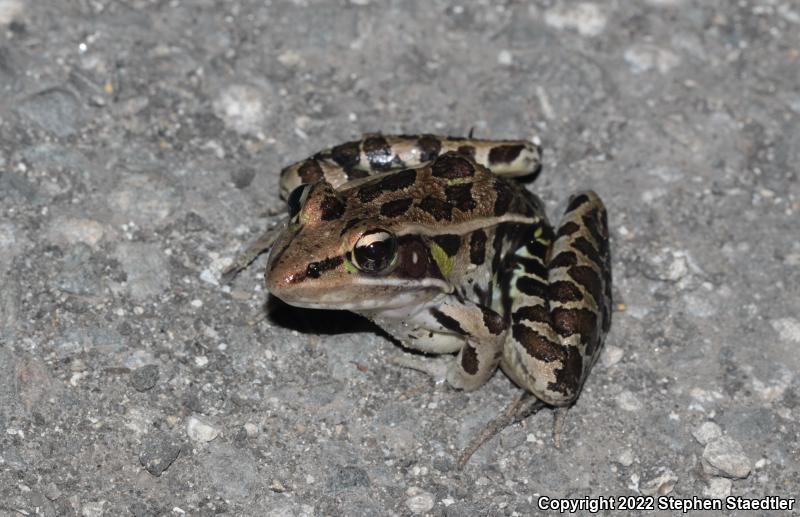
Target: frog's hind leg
pixel 376 154
pixel 562 310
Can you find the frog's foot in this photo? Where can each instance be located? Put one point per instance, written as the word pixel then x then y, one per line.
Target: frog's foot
pixel 435 367
pixel 521 408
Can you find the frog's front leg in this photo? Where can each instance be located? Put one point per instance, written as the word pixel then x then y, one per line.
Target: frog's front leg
pixel 454 324
pixel 561 309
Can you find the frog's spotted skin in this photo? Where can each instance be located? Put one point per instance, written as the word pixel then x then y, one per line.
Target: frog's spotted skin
pixel 427 237
pixel 380 153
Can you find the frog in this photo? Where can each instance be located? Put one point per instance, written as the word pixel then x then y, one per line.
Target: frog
pixel 438 241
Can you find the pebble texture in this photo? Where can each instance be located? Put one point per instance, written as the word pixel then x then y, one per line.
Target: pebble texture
pixel 139 148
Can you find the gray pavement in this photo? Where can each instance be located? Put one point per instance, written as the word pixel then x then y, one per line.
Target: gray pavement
pixel 140 142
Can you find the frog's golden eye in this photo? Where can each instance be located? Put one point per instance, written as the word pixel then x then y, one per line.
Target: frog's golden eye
pixel 375 251
pixel 297 198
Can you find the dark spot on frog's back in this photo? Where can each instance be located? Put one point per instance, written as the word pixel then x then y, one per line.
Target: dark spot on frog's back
pixel 460 196
pixel 440 210
pixel 354 174
pixel 429 148
pixel 310 171
pixel 392 182
pixel 397 207
pixel 379 152
pixel 452 166
pixel 331 208
pixel 466 150
pixel 449 243
pixel 399 180
pixel 505 153
pixel 346 155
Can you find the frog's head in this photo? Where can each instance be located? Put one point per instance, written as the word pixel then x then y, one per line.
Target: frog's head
pixel 336 253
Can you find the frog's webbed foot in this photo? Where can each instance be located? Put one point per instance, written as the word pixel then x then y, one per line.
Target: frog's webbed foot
pixel 520 408
pixel 253 250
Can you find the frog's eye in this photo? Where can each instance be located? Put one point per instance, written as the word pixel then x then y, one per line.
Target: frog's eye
pixel 375 251
pixel 296 199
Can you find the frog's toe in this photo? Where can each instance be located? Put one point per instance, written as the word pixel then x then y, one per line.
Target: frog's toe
pixel 436 368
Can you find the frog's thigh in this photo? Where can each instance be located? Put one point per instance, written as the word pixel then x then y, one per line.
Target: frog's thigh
pixel 482 332
pixel 558 323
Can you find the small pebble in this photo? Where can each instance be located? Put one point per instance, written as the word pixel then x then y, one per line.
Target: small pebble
pixel 628 401
pixel 787 328
pixel 611 355
pixel 347 477
pixel 51 491
pixel 707 432
pixel 241 107
pixel 200 431
pixel 93 509
pixel 505 58
pixel 158 453
pixel 585 17
pixel 643 58
pixel 419 501
pixel 144 378
pixel 660 485
pixel 10 10
pixel 242 176
pixel 718 488
pixel 55 110
pixel 625 458
pixel 725 457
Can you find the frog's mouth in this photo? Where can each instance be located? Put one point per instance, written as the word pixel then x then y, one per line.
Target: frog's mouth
pixel 357 294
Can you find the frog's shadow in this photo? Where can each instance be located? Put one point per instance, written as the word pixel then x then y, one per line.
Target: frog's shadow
pixel 316 321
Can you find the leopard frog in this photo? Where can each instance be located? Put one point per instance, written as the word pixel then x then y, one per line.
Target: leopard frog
pixel 434 240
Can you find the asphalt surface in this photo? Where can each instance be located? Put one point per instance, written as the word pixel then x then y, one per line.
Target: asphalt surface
pixel 140 142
